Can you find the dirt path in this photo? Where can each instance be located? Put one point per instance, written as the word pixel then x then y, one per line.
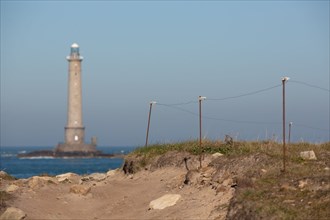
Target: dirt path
pixel 124 197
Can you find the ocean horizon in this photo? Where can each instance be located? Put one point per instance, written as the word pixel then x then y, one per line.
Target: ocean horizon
pixel 28 167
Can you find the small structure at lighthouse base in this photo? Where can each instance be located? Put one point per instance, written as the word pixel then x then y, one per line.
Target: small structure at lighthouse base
pixel 75 148
pixel 82 147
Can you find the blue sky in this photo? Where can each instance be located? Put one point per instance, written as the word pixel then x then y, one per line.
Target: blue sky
pixel 170 52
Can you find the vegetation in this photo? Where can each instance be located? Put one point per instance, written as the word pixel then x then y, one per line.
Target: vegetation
pixel 6 176
pixel 302 192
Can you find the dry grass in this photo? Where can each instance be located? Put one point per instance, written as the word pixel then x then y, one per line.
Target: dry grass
pixel 302 192
pixel 271 194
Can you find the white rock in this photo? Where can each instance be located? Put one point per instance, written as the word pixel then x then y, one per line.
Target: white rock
pixel 97 176
pixel 66 177
pixel 11 188
pixel 302 183
pixel 111 173
pixel 216 155
pixel 263 171
pixel 164 201
pixel 308 155
pixel 12 213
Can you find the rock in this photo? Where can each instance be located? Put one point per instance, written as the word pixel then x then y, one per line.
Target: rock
pixel 216 155
pixel 12 213
pixel 36 182
pixel 192 177
pixel 164 201
pixel 208 172
pixel 80 189
pixel 308 155
pixel 286 186
pixel 67 177
pixel 131 176
pixel 111 173
pixel 96 176
pixel 221 188
pixel 288 201
pixel 263 171
pixel 326 168
pixel 228 182
pixel 11 188
pixel 302 183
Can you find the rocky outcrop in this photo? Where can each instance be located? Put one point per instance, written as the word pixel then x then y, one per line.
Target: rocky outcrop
pixel 164 201
pixel 12 213
pixel 112 173
pixel 11 188
pixel 37 182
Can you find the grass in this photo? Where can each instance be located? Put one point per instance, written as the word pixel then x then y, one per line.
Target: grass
pixel 208 147
pixel 266 196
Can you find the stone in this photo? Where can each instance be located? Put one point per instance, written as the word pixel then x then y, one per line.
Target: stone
pixel 287 187
pixel 308 155
pixel 36 182
pixel 208 172
pixel 302 183
pixel 80 189
pixel 228 182
pixel 288 201
pixel 111 173
pixel 12 213
pixel 131 176
pixel 263 171
pixel 216 155
pixel 67 177
pixel 97 177
pixel 164 201
pixel 11 188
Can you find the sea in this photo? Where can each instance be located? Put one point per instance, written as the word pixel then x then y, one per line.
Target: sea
pixel 28 167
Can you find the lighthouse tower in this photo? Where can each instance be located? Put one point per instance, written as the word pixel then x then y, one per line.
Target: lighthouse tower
pixel 74 129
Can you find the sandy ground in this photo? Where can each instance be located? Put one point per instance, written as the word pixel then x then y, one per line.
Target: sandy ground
pixel 123 197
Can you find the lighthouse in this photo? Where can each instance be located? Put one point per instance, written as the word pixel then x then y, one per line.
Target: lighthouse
pixel 74 129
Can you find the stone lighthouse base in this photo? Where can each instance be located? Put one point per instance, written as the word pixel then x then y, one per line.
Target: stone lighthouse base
pixel 86 148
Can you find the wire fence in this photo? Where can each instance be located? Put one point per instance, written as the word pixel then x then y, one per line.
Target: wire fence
pixel 179 106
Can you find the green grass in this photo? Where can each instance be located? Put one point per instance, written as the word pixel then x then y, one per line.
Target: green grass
pixel 237 149
pixel 208 147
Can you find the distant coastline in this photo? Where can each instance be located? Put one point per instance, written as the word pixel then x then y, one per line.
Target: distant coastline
pixel 74 154
pixel 25 167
